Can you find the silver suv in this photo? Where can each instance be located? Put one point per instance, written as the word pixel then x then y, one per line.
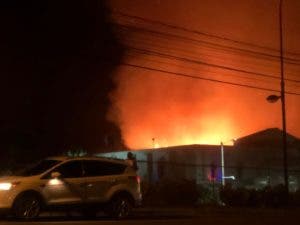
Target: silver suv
pixel 90 183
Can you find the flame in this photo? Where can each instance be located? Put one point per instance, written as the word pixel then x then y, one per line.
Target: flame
pixel 183 112
pixel 156 145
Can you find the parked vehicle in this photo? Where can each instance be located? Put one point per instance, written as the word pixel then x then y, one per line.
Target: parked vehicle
pixel 90 183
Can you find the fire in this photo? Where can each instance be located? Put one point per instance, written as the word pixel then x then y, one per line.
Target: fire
pixel 182 111
pixel 156 145
pixel 214 135
pixel 176 110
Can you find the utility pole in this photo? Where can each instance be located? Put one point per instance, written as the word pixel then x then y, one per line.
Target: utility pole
pixel 284 135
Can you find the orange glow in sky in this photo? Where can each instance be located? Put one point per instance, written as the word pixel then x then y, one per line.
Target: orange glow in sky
pixel 179 111
pixel 174 110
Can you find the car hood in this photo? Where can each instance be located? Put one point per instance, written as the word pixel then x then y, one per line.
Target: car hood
pixel 12 178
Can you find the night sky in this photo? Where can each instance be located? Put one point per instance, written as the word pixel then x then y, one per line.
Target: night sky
pixel 66 83
pixel 210 39
pixel 57 59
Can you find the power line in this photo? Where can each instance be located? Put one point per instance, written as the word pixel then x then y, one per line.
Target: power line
pixel 186 67
pixel 151 52
pixel 212 45
pixel 161 47
pixel 198 32
pixel 203 63
pixel 296 85
pixel 202 78
pixel 174 48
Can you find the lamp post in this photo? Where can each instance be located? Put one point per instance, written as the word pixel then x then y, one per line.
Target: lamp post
pixel 222 164
pixel 274 98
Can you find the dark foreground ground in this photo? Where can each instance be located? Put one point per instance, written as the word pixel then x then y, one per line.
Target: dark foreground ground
pixel 180 216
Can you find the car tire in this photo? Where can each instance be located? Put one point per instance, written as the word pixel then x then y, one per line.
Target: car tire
pixel 120 207
pixel 27 206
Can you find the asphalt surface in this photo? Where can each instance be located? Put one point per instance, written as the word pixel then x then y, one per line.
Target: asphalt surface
pixel 178 216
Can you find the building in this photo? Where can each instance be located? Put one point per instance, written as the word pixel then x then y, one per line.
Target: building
pixel 253 161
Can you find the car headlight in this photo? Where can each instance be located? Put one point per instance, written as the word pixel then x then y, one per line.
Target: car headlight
pixel 7 185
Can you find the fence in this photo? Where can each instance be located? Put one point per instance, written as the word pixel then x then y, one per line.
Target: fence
pixel 208 175
pixel 172 183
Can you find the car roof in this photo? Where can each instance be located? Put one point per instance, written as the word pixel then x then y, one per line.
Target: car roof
pixel 68 158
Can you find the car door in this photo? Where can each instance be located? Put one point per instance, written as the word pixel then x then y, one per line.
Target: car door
pixel 100 177
pixel 69 188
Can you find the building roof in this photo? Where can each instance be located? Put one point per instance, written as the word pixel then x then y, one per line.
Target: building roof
pixel 271 137
pixel 188 148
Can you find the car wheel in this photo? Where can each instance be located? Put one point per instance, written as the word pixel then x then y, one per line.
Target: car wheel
pixel 27 207
pixel 120 207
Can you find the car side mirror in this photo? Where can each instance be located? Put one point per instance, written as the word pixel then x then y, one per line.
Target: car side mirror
pixel 55 175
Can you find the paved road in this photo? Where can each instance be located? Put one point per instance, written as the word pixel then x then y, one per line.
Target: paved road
pixel 240 217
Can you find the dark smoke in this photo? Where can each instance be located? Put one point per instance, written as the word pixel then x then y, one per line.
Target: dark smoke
pixel 55 77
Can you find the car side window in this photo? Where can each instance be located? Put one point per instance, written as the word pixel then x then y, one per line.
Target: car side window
pixel 71 169
pixel 100 168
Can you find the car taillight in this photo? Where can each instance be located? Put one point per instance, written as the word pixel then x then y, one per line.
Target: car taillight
pixel 135 178
pixel 138 179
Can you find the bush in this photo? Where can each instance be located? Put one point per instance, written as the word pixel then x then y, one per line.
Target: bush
pixel 188 193
pixel 182 192
pixel 208 195
pixel 267 197
pixel 151 195
pixel 274 196
pixel 235 197
pixel 295 198
pixel 170 192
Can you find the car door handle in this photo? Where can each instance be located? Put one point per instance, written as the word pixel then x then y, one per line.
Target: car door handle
pixel 89 185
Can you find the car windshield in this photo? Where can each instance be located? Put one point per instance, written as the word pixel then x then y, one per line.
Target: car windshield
pixel 38 168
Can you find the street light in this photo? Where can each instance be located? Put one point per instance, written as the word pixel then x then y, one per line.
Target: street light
pixel 223 162
pixel 275 98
